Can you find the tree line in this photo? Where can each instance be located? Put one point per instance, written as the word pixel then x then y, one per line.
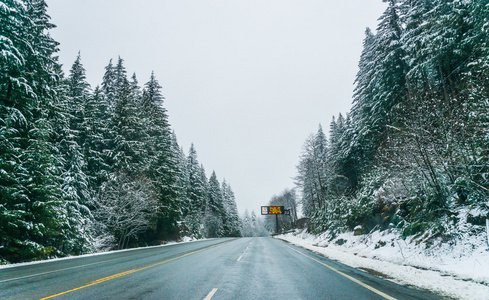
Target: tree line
pixel 85 170
pixel 412 152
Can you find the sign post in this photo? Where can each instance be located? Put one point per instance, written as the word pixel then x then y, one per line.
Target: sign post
pixel 274 210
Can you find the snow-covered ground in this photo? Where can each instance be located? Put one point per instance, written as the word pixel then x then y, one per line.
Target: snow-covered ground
pixel 459 271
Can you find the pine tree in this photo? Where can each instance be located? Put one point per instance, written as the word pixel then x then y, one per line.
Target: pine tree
pixel 180 201
pixel 196 194
pixel 109 85
pixel 157 135
pixel 31 215
pixel 75 193
pixel 120 74
pixel 215 214
pixel 78 91
pixel 343 164
pixel 128 145
pixel 196 189
pixel 96 126
pixel 13 121
pixel 205 188
pixel 363 147
pixel 136 90
pixel 233 227
pixel 161 161
pixel 246 229
pixel 312 177
pixel 380 86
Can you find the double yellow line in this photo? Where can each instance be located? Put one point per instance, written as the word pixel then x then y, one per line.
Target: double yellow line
pixel 128 272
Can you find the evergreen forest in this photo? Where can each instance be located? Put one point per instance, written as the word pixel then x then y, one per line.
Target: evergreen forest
pixel 412 153
pixel 87 169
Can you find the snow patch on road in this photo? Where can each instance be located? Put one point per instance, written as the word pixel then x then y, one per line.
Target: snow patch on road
pixel 459 270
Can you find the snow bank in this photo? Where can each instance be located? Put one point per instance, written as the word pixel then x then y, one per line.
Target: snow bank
pixel 459 270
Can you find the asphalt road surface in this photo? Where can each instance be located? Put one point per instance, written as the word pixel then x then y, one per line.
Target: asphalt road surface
pixel 242 268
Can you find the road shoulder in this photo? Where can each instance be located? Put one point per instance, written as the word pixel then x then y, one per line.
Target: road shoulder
pixel 434 281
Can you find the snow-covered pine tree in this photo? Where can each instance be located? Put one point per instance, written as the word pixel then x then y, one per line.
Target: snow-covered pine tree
pixel 120 74
pixel 69 134
pixel 364 145
pixel 196 193
pixel 392 69
pixel 246 229
pixel 157 136
pixel 109 86
pixel 136 89
pixel 343 166
pixel 233 227
pixel 96 127
pixel 205 188
pixel 254 222
pixel 174 220
pixel 13 121
pixel 195 185
pixel 380 85
pixel 78 91
pixel 128 145
pixel 215 218
pixel 312 173
pixel 162 160
pixel 31 216
pixel 320 152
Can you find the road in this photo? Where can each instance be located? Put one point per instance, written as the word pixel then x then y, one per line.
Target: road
pixel 242 268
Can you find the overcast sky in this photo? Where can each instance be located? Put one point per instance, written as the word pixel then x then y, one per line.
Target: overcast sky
pixel 246 81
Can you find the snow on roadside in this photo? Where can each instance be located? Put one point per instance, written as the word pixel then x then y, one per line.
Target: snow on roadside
pixel 460 271
pixel 183 240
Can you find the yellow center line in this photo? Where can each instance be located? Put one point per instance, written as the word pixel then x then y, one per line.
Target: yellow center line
pixel 347 276
pixel 128 272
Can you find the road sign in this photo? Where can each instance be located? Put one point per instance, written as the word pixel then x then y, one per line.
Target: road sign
pixel 272 210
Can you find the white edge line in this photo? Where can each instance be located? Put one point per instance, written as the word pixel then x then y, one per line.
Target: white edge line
pixel 211 294
pixel 347 276
pixel 239 258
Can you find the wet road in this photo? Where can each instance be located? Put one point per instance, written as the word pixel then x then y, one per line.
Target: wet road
pixel 242 268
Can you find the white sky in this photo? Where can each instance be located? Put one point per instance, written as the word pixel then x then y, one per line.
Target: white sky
pixel 245 80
